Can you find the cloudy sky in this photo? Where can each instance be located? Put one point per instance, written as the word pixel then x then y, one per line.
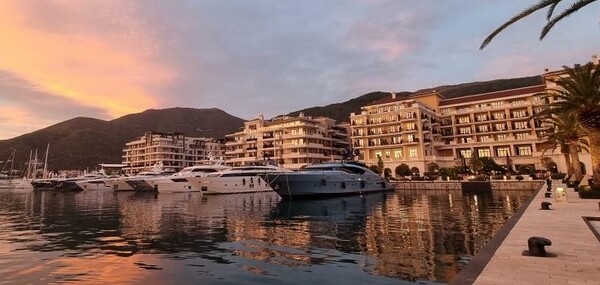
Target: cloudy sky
pixel 61 59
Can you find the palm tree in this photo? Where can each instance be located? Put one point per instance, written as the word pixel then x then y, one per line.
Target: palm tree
pixel 568 134
pixel 578 95
pixel 550 16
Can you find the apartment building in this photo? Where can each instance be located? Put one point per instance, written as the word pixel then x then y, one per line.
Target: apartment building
pixel 448 129
pixel 399 129
pixel 291 141
pixel 173 150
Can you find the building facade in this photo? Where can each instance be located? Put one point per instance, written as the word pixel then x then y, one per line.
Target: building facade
pixel 173 150
pixel 426 127
pixel 293 142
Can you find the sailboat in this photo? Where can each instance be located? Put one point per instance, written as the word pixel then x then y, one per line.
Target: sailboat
pixel 9 181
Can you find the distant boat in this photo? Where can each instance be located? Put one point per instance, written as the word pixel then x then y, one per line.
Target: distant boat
pixel 328 180
pixel 239 179
pixel 181 181
pixel 127 183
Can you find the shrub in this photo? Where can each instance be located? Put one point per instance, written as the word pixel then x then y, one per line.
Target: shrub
pixel 519 177
pixel 587 192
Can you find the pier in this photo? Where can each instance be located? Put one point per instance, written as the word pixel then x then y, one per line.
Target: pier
pixel 573 256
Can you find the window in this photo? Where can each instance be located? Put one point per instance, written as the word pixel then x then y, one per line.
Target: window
pixel 518 102
pixel 465 153
pixel 524 150
pixel 519 114
pixel 387 154
pixel 503 151
pixel 464 120
pixel 482 128
pixel 412 153
pixel 484 152
pixel 410 138
pixel 410 126
pixel 465 130
pixel 445 111
pixel 499 116
pixel 398 153
pixel 378 154
pixel 497 104
pixel 485 139
pixel 482 117
pixel 502 137
pixel 522 136
pixel 500 127
pixel 521 125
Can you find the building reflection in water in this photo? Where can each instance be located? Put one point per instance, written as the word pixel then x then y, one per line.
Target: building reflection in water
pixel 409 235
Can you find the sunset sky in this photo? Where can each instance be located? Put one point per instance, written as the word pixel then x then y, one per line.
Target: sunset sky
pixel 107 58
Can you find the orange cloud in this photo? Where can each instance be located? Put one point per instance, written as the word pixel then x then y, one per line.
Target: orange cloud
pixel 90 68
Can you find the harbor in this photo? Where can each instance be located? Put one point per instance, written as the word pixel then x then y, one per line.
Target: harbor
pixel 98 236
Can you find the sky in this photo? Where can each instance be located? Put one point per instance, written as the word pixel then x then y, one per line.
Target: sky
pixel 61 59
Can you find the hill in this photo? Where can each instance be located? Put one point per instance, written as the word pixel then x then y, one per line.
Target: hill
pixel 82 143
pixel 341 111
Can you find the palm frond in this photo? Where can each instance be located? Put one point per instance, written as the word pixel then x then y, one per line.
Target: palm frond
pixel 536 7
pixel 574 8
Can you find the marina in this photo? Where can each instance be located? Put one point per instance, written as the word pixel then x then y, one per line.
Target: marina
pixel 397 237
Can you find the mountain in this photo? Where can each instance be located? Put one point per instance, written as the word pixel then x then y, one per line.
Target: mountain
pixel 81 143
pixel 341 111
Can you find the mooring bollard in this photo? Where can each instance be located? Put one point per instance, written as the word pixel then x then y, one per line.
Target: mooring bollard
pixel 546 205
pixel 536 246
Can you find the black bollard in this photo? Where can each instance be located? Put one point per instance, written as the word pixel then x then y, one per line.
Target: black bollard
pixel 548 195
pixel 536 246
pixel 546 205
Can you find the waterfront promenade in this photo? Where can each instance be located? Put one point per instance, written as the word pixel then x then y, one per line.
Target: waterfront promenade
pixel 574 244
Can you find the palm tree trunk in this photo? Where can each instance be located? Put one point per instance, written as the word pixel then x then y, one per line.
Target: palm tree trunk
pixel 568 163
pixel 574 153
pixel 594 140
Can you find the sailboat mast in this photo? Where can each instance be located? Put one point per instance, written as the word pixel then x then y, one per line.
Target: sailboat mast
pixel 46 161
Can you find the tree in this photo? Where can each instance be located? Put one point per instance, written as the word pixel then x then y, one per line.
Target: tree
pixel 375 169
pixel 432 167
pixel 550 16
pixel 380 165
pixel 475 163
pixel 414 170
pixel 578 95
pixel 567 133
pixel 548 163
pixel 402 170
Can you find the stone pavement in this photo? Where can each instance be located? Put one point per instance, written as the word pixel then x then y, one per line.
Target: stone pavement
pixel 576 248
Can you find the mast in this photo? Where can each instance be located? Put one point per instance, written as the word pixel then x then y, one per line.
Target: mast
pixel 28 171
pixel 46 161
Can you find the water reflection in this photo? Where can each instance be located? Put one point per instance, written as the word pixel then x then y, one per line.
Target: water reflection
pixel 96 236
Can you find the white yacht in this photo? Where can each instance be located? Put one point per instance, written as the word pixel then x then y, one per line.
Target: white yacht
pixel 240 179
pixel 96 183
pixel 122 183
pixel 180 181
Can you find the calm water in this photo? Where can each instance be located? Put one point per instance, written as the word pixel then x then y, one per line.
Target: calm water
pixel 127 238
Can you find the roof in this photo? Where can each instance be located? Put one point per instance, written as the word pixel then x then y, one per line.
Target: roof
pixel 498 87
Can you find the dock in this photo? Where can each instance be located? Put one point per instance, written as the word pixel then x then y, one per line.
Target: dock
pixel 574 253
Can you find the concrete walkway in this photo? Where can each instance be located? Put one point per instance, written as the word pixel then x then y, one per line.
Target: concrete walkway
pixel 575 245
